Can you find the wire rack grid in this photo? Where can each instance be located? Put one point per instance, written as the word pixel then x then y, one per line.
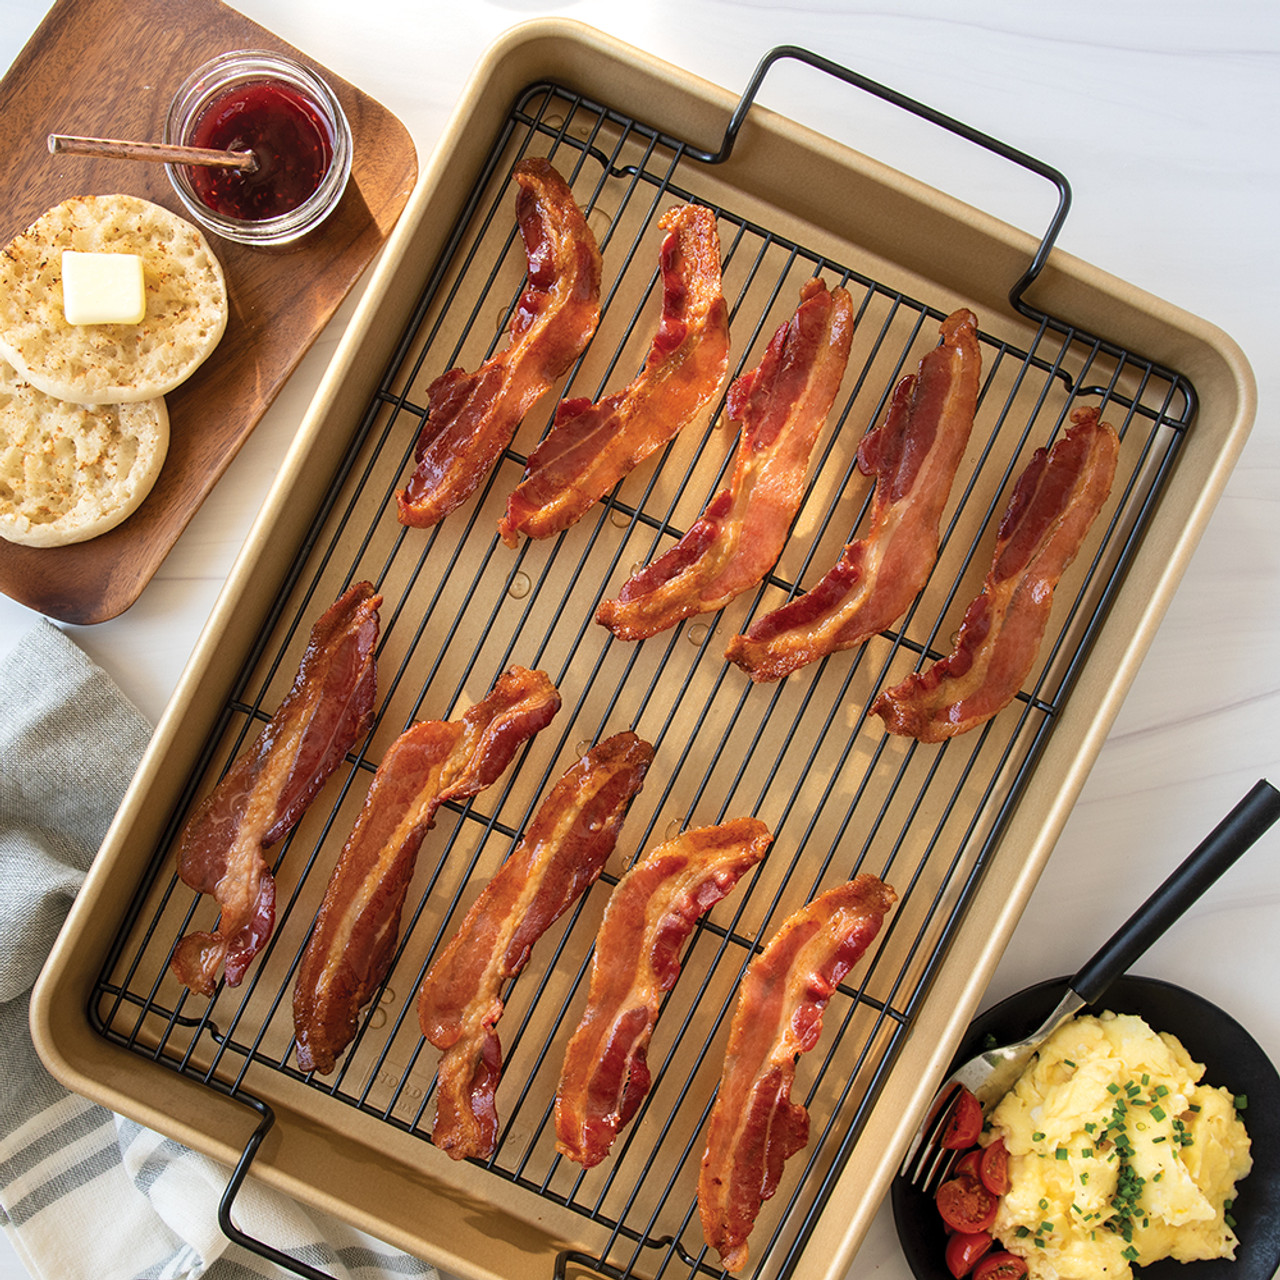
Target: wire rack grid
pixel 839 795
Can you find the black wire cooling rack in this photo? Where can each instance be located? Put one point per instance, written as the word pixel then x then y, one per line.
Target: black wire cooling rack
pixel 839 795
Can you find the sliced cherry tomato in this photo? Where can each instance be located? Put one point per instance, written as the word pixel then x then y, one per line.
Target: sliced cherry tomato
pixel 964 1249
pixel 969 1165
pixel 963 1124
pixel 966 1205
pixel 1000 1266
pixel 993 1168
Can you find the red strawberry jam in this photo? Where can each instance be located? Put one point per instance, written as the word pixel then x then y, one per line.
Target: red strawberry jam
pixel 287 133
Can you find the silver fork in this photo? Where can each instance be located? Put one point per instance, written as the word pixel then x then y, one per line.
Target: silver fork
pixel 993 1072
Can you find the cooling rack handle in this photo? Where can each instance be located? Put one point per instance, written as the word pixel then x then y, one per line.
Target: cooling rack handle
pixel 585 1263
pixel 230 1230
pixel 957 127
pixel 579 1260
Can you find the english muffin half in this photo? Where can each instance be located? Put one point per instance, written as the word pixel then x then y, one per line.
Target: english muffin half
pixel 69 472
pixel 186 303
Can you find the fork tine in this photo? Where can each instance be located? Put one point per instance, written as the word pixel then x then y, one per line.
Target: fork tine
pixel 926 1135
pixel 938 1170
pixel 926 1158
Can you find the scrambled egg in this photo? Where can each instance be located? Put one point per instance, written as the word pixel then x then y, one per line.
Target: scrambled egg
pixel 1118 1155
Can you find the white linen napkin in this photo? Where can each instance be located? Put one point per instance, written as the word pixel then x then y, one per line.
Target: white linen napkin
pixel 85 1194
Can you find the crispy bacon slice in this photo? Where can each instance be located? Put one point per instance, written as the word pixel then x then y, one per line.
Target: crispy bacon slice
pixel 473 416
pixel 650 915
pixel 914 455
pixel 269 786
pixel 1054 502
pixel 355 933
pixel 755 1127
pixel 559 857
pixel 781 404
pixel 590 447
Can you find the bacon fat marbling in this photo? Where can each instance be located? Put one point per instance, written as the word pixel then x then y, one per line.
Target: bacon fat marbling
pixel 913 455
pixel 592 446
pixel 781 404
pixel 754 1126
pixel 651 913
pixel 434 761
pixel 472 417
pixel 1054 503
pixel 269 786
pixel 559 856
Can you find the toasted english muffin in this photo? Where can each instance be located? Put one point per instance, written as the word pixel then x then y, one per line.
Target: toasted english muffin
pixel 186 303
pixel 69 472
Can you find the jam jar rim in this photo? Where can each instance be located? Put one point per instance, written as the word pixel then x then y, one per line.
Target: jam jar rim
pixel 249 66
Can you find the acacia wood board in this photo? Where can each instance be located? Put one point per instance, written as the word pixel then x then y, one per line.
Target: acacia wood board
pixel 139 52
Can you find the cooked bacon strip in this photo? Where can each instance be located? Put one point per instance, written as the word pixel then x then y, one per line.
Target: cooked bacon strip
pixel 269 786
pixel 782 404
pixel 755 1127
pixel 590 447
pixel 650 915
pixel 1054 502
pixel 559 857
pixel 355 932
pixel 473 416
pixel 914 455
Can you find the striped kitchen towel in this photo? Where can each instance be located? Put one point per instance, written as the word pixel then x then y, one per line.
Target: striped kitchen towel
pixel 86 1194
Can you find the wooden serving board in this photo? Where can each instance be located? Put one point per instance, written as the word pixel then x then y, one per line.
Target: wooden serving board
pixel 137 53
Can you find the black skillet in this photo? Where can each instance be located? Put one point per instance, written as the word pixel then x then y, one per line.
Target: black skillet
pixel 1231 1056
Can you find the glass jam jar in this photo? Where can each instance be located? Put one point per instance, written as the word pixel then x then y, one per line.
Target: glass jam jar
pixel 251 100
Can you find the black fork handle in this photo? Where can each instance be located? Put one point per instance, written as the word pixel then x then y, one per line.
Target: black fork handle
pixel 1238 831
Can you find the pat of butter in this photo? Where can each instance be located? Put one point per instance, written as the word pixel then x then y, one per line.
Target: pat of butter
pixel 103 288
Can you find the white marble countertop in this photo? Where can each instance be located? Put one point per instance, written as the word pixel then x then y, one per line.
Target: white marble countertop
pixel 1163 118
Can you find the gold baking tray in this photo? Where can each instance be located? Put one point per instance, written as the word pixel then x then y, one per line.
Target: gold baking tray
pixel 961 831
